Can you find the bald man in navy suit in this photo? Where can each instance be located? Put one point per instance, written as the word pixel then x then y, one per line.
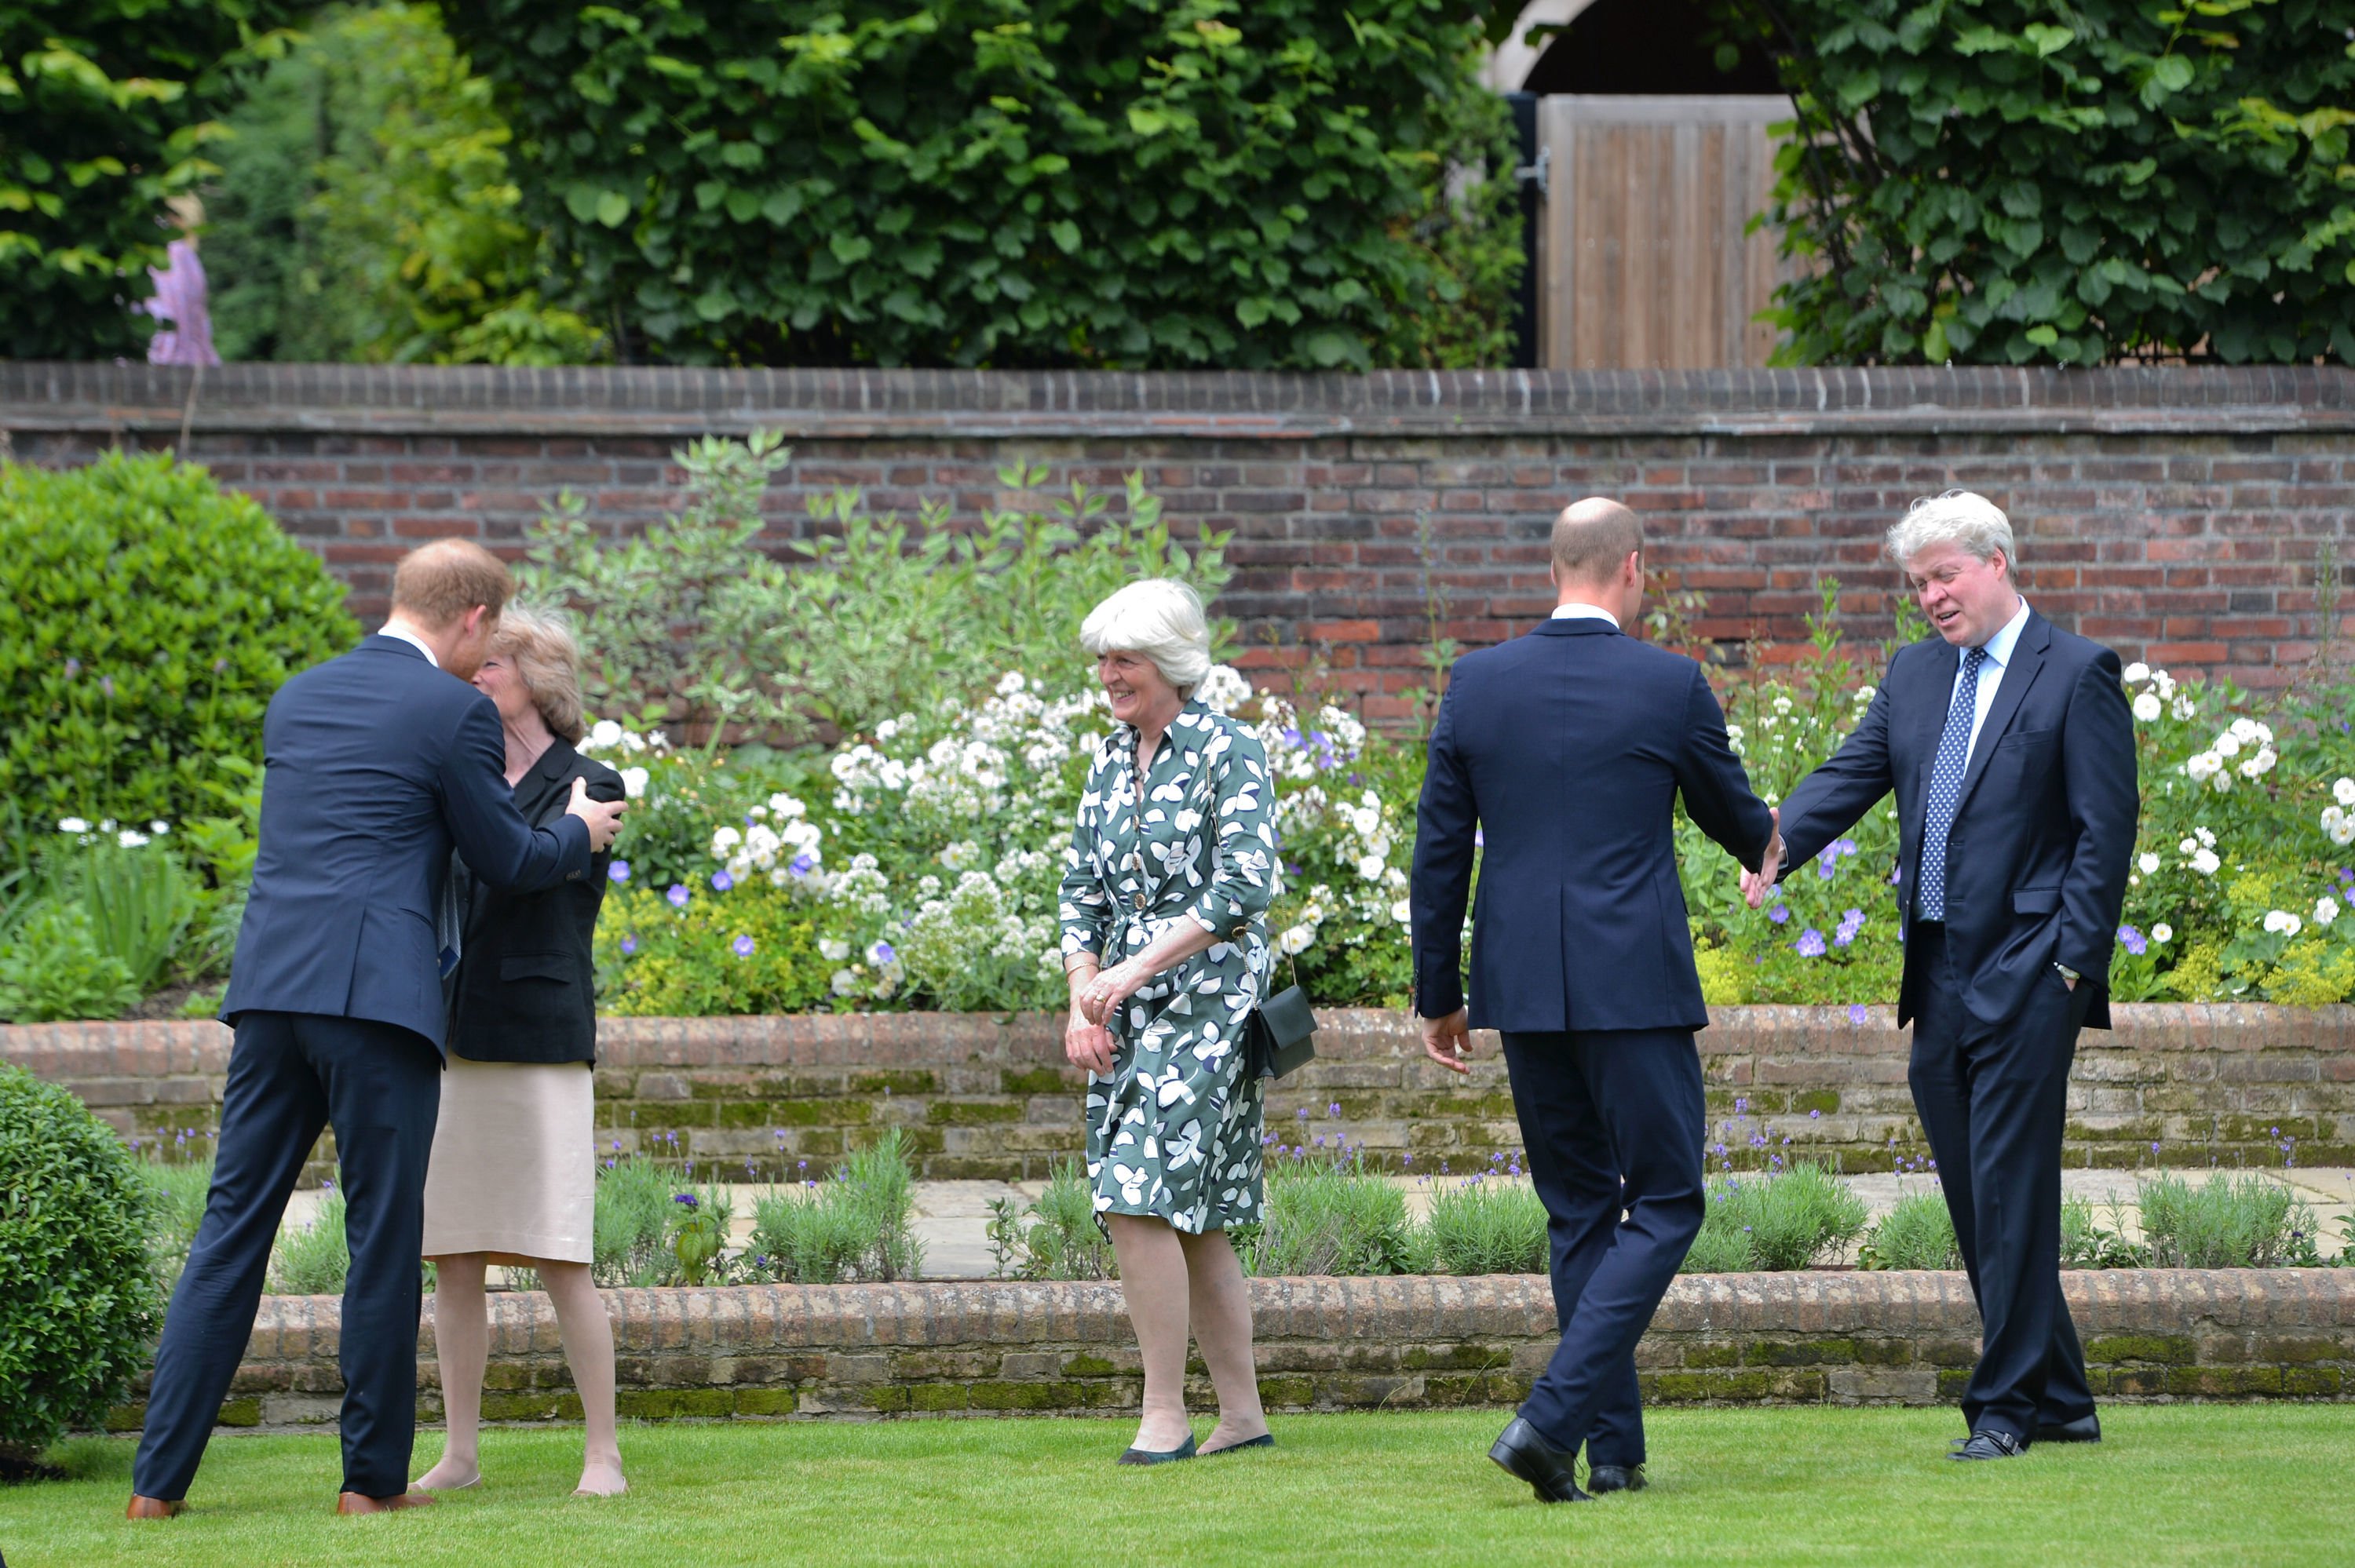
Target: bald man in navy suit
pixel 1570 748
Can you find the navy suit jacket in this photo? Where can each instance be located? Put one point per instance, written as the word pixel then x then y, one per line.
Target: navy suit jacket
pixel 1566 750
pixel 375 763
pixel 2036 860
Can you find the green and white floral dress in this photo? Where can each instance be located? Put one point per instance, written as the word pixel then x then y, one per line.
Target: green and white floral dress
pixel 1175 1130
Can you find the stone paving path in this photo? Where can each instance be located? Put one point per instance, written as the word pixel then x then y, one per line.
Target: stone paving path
pixel 953 1217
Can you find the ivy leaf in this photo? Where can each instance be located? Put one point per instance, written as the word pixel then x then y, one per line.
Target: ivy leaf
pixel 850 248
pixel 613 209
pixel 1066 236
pixel 2047 39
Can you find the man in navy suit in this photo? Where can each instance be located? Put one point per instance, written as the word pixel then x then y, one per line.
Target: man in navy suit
pixel 2010 748
pixel 375 764
pixel 1563 753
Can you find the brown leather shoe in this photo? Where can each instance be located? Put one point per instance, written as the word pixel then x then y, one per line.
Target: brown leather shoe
pixel 357 1503
pixel 154 1508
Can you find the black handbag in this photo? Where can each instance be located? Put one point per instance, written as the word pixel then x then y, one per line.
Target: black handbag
pixel 1282 1035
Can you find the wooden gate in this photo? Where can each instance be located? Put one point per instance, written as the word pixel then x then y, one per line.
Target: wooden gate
pixel 1642 252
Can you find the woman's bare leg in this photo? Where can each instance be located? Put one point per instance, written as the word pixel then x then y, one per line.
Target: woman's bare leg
pixel 1153 1281
pixel 589 1346
pixel 461 1338
pixel 1222 1326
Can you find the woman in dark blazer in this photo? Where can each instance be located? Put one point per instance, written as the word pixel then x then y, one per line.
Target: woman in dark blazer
pixel 513 1178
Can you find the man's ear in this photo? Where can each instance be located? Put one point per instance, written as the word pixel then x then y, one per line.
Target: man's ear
pixel 473 620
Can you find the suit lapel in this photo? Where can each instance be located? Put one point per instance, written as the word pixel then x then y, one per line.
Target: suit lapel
pixel 2027 663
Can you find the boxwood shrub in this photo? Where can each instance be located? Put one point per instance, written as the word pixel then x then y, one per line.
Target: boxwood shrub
pixel 78 1298
pixel 145 619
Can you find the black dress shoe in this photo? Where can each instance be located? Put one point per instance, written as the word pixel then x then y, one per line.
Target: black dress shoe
pixel 1147 1457
pixel 1989 1443
pixel 1601 1479
pixel 2084 1429
pixel 1264 1440
pixel 1547 1468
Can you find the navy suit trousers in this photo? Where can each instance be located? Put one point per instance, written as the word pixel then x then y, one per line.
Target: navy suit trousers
pixel 1612 1121
pixel 289 1075
pixel 1992 1098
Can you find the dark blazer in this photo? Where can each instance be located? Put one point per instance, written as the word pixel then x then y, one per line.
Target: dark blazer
pixel 2036 860
pixel 1566 749
pixel 375 763
pixel 525 985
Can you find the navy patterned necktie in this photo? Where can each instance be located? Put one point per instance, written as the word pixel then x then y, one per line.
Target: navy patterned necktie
pixel 1946 785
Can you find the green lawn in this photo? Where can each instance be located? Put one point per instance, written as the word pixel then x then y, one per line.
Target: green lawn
pixel 2206 1484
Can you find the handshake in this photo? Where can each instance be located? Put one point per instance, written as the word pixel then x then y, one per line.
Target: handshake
pixel 1755 884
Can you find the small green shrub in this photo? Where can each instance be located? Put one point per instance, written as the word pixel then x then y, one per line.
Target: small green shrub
pixel 1791 1220
pixel 751 949
pixel 633 1219
pixel 2086 1243
pixel 146 619
pixel 51 967
pixel 313 1259
pixel 2229 1222
pixel 1056 1236
pixel 1918 1232
pixel 1482 1226
pixel 1330 1217
pixel 78 1298
pixel 854 1226
pixel 140 901
pixel 177 1195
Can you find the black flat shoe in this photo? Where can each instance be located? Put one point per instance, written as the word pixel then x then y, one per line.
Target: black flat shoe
pixel 2084 1429
pixel 1988 1443
pixel 1264 1440
pixel 1601 1479
pixel 1521 1452
pixel 1147 1457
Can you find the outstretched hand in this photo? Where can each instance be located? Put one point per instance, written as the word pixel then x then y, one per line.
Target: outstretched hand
pixel 1755 884
pixel 1448 1040
pixel 603 818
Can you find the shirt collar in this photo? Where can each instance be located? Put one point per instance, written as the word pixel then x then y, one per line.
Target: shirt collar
pixel 414 640
pixel 1577 612
pixel 2000 646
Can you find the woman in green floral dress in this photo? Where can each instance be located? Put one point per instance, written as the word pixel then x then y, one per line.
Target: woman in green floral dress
pixel 1165 896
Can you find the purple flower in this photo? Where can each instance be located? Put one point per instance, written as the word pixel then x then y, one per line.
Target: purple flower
pixel 721 881
pixel 1779 914
pixel 742 945
pixel 678 895
pixel 618 872
pixel 1333 1110
pixel 1857 1013
pixel 685 1198
pixel 1810 943
pixel 2132 940
pixel 106 684
pixel 1828 864
pixel 73 668
pixel 1850 923
pixel 629 945
pixel 801 865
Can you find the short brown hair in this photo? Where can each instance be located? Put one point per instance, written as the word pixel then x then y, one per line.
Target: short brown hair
pixel 1592 537
pixel 438 584
pixel 546 658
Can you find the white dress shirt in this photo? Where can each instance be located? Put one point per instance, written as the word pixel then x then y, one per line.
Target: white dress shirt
pixel 417 643
pixel 1575 611
pixel 1999 654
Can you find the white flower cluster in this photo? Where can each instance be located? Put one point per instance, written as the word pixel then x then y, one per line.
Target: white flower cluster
pixel 2199 851
pixel 2162 693
pixel 1224 689
pixel 125 838
pixel 966 771
pixel 607 735
pixel 2214 767
pixel 2339 818
pixel 1366 834
pixel 1300 748
pixel 777 838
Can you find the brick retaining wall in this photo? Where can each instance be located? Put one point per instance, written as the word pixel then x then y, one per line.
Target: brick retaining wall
pixel 984 1095
pixel 2177 514
pixel 860 1351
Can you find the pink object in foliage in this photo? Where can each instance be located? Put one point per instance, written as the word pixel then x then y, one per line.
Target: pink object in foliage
pixel 187 336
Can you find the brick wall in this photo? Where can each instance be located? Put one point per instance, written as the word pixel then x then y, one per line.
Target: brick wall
pixel 2178 515
pixel 983 1096
pixel 859 1352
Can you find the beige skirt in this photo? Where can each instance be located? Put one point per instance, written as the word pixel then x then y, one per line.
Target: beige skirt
pixel 515 1162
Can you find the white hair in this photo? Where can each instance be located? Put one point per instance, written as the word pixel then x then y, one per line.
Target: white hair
pixel 1159 618
pixel 1959 517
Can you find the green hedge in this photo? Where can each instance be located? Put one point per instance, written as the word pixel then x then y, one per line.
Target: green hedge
pixel 77 1300
pixel 146 619
pixel 2007 181
pixel 1111 183
pixel 107 108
